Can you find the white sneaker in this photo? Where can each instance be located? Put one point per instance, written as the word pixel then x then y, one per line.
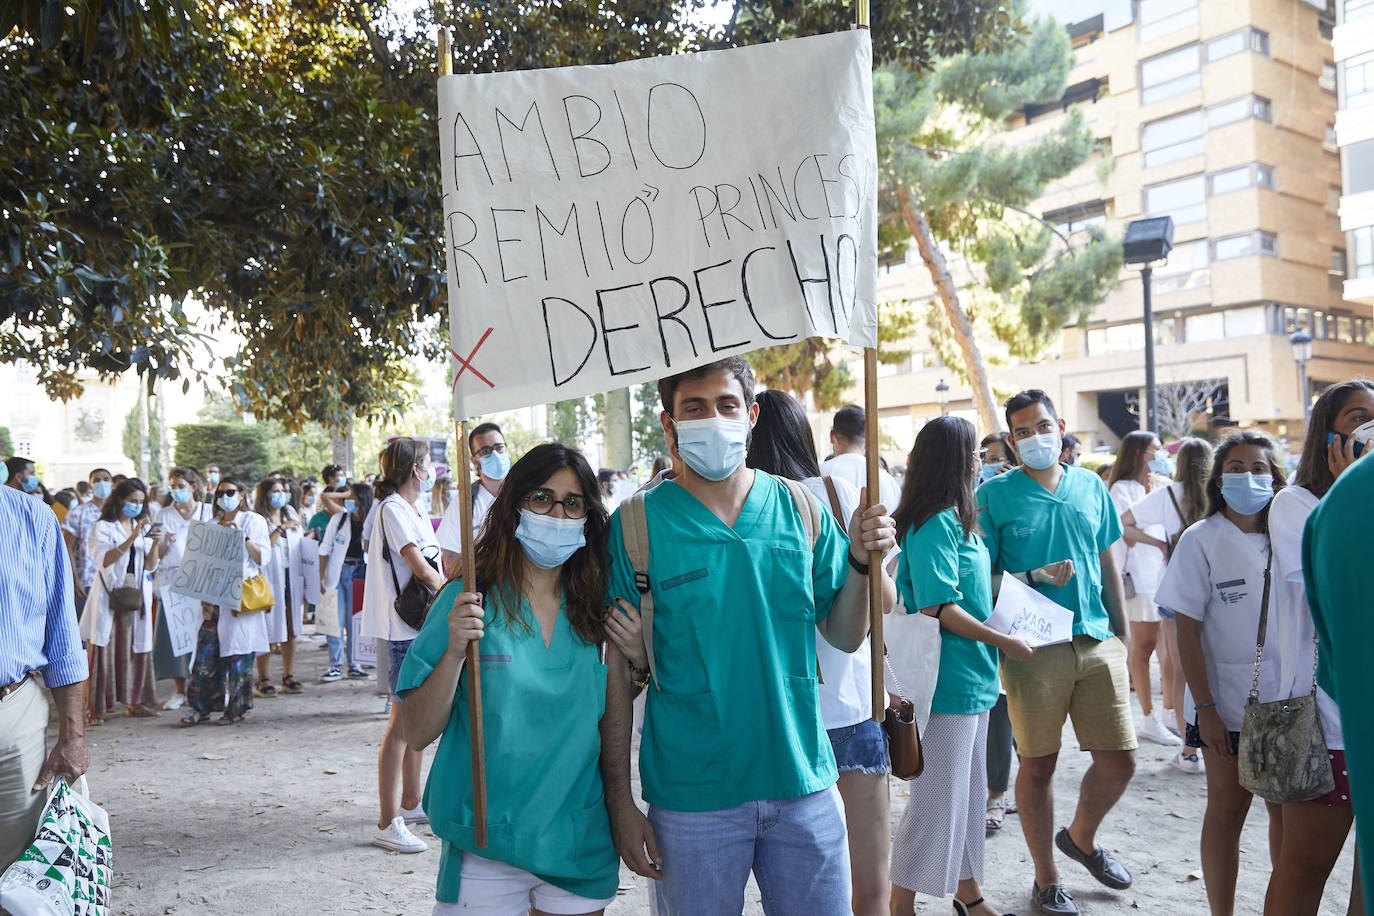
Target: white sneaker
pixel 1170 721
pixel 1153 729
pixel 1188 763
pixel 415 815
pixel 176 702
pixel 397 838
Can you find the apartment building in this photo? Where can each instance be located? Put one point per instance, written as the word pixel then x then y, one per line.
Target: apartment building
pixel 1223 115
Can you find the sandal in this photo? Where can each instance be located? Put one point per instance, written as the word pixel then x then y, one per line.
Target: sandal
pixel 193 718
pixel 139 711
pixel 994 821
pixel 264 688
pixel 289 684
pixel 226 720
pixel 92 720
pixel 964 909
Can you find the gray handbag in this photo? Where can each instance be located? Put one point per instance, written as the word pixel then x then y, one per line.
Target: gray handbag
pixel 1283 756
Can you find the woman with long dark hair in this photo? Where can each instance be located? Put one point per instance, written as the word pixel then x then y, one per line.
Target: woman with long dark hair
pixel 187 505
pixel 1140 457
pixel 1314 831
pixel 783 445
pixel 272 500
pixel 1216 584
pixel 1158 521
pixel 341 567
pixel 400 547
pixel 541 574
pixel 123 544
pixel 944 571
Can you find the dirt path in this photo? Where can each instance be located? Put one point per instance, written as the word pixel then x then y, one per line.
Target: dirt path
pixel 275 817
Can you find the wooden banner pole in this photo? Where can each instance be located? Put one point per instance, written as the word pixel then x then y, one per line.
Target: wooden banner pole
pixel 875 558
pixel 473 661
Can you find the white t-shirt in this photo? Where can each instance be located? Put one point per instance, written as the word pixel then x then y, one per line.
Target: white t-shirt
pixel 450 533
pixel 1144 562
pixel 246 633
pixel 845 693
pixel 173 523
pixel 1217 577
pixel 402 524
pixel 853 467
pixel 1287 518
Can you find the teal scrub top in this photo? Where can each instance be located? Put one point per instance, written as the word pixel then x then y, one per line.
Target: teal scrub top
pixel 541 709
pixel 1335 568
pixel 1026 527
pixel 938 565
pixel 733 715
pixel 319 522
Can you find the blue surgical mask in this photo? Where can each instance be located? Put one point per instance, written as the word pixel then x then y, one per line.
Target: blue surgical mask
pixel 549 541
pixel 350 505
pixel 496 465
pixel 308 500
pixel 714 447
pixel 279 500
pixel 102 489
pixel 181 494
pixel 990 470
pixel 212 478
pixel 229 502
pixel 133 510
pixel 30 483
pixel 1247 493
pixel 427 482
pixel 1040 451
pixel 1161 464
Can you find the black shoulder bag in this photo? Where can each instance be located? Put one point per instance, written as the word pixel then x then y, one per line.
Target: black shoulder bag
pixel 412 602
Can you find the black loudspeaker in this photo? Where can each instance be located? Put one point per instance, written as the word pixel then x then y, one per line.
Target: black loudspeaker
pixel 1148 239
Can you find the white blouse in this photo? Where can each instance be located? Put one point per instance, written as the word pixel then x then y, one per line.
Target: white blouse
pixel 399 524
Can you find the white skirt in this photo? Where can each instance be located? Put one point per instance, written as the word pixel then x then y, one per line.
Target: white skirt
pixel 939 840
pixel 1142 609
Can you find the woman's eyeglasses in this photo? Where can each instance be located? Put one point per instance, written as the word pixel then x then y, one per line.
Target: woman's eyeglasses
pixel 541 502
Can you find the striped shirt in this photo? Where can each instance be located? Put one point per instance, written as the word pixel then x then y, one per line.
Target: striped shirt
pixel 79 522
pixel 38 629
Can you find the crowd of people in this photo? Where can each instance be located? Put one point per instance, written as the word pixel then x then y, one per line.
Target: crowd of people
pixel 726 593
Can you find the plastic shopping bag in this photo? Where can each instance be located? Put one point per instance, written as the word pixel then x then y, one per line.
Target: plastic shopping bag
pixel 66 871
pixel 913 658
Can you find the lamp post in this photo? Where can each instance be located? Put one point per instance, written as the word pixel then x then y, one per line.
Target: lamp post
pixel 1301 340
pixel 1147 241
pixel 942 397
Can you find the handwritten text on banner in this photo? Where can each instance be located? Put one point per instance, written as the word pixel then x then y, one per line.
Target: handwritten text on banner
pixel 610 225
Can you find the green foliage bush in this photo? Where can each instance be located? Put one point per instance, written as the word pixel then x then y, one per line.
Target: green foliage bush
pixel 240 451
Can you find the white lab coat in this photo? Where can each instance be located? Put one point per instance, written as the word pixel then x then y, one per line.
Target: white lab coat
pixel 338 535
pixel 247 633
pixel 1287 518
pixel 283 564
pixel 402 525
pixel 1216 577
pixel 97 619
pixel 1143 562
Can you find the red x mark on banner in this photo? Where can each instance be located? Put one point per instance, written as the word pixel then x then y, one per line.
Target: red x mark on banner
pixel 467 363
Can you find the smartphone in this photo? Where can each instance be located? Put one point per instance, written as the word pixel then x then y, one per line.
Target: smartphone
pixel 1363 436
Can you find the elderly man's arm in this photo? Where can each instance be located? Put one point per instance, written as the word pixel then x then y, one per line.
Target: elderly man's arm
pixel 65 672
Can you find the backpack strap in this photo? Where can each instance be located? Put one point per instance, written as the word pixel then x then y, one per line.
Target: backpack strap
pixel 634 531
pixel 807 508
pixel 834 500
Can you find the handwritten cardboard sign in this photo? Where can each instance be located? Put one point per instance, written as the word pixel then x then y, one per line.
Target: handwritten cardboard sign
pixel 211 565
pixel 310 569
pixel 610 225
pixel 1023 612
pixel 183 617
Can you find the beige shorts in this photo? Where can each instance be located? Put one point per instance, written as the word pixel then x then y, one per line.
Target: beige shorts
pixel 1085 680
pixel 1141 609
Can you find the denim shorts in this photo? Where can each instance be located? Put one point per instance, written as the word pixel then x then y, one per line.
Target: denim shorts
pixel 396 654
pixel 861 747
pixel 1164 613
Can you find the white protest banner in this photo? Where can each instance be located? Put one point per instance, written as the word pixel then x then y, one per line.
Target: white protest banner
pixel 183 617
pixel 610 225
pixel 211 565
pixel 327 613
pixel 310 568
pixel 1023 612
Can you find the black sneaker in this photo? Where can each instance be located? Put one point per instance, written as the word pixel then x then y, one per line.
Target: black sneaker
pixel 1053 900
pixel 1099 862
pixel 335 673
pixel 358 673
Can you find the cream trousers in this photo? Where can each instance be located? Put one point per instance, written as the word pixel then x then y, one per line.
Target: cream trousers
pixel 23 721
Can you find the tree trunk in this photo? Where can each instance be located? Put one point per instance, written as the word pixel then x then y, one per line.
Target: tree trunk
pixel 341 449
pixel 619 442
pixel 949 296
pixel 144 452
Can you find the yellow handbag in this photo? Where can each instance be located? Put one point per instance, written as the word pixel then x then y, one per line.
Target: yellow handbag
pixel 257 595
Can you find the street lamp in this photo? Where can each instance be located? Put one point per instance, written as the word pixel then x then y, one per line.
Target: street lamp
pixel 1146 242
pixel 942 397
pixel 1301 340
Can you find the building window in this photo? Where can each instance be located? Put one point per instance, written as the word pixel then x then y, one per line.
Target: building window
pixel 1185 199
pixel 1186 268
pixel 1253 175
pixel 1247 39
pixel 1245 322
pixel 1204 327
pixel 1363 239
pixel 1329 141
pixel 1119 338
pixel 1359 167
pixel 1247 106
pixel 1160 17
pixel 1328 78
pixel 1245 245
pixel 23 447
pixel 1077 217
pixel 1336 273
pixel 1170 74
pixel 1359 75
pixel 1358 9
pixel 1171 139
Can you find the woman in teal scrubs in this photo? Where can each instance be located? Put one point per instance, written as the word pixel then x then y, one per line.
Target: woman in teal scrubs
pixel 541 569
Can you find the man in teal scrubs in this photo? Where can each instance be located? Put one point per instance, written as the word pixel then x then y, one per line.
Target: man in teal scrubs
pixel 1335 564
pixel 1042 513
pixel 734 760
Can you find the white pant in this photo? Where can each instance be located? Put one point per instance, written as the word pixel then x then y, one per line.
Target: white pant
pixel 491 888
pixel 23 721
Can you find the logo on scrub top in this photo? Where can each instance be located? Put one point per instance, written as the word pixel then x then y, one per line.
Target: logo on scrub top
pixel 1020 531
pixel 1227 592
